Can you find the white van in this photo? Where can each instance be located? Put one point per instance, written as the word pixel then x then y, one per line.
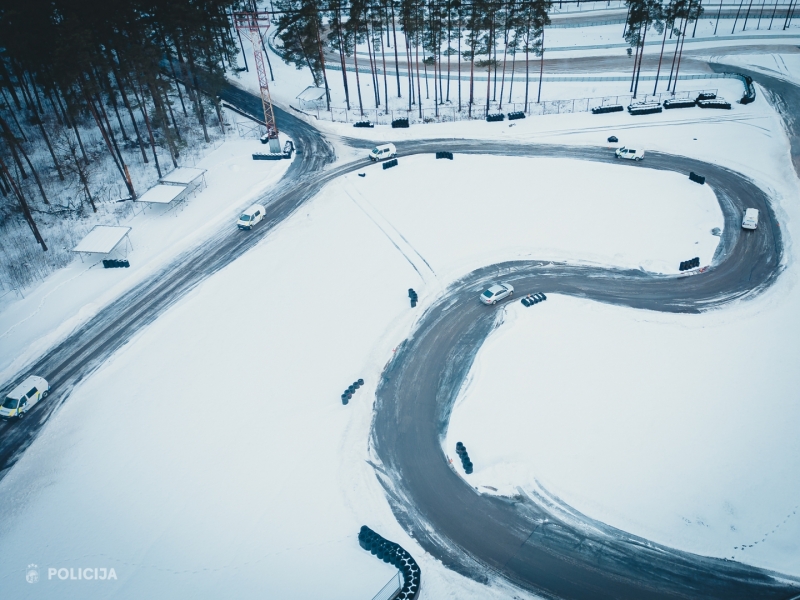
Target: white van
pixel 383 152
pixel 750 220
pixel 629 153
pixel 251 217
pixel 22 398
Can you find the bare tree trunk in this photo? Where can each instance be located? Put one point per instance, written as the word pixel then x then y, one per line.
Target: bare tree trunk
pixel 322 62
pixel 396 57
pixel 164 125
pixel 385 81
pixel 372 67
pixel 7 81
pixel 12 145
pixel 35 175
pixel 513 66
pixel 419 88
pixel 641 59
pixel 14 116
pixel 409 72
pixel 541 70
pixel 672 68
pixel 680 53
pixel 50 148
pixel 149 128
pixel 26 211
pixel 139 141
pixel 199 99
pixel 660 58
pixel 358 80
pixel 123 170
pixel 172 70
pixel 72 125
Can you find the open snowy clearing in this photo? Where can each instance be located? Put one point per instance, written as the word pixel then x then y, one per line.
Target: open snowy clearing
pixel 213 455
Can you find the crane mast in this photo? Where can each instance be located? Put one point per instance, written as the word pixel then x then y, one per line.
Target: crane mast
pixel 252 24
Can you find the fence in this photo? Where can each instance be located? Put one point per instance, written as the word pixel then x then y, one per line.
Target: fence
pixel 445 114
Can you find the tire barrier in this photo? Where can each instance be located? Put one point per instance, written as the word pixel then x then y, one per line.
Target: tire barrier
pixel 690 264
pixel 513 116
pixel 412 295
pixel 697 178
pixel 364 124
pixel 115 264
pixel 389 164
pixel 288 149
pixel 716 103
pixel 447 155
pixel 532 299
pixel 706 96
pixel 461 450
pixel 400 124
pixel 679 103
pixel 351 389
pixel 750 94
pixel 269 156
pixel 492 117
pixel 600 110
pixel 644 109
pixel 396 555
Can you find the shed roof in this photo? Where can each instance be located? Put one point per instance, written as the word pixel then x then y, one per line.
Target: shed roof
pixel 311 93
pixel 162 194
pixel 182 176
pixel 102 239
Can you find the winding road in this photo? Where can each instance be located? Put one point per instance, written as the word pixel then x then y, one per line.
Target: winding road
pixel 536 543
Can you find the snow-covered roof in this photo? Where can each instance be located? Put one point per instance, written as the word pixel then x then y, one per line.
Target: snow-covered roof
pixel 162 194
pixel 182 176
pixel 102 239
pixel 311 93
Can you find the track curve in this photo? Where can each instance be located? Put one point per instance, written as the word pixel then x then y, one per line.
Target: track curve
pixel 577 557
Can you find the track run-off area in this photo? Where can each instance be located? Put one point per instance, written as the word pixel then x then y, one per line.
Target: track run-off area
pixel 536 543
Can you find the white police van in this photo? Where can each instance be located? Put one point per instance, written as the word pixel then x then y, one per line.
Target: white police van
pixel 23 397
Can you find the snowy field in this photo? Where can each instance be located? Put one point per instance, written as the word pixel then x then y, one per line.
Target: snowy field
pixel 212 457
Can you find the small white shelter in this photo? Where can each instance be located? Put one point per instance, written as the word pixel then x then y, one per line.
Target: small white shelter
pixel 103 239
pixel 163 194
pixel 190 177
pixel 311 97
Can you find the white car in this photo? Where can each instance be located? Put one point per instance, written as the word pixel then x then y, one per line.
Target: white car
pixel 496 293
pixel 383 152
pixel 629 153
pixel 251 217
pixel 22 398
pixel 750 220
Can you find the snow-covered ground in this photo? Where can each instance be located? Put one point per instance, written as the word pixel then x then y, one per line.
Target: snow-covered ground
pixel 212 456
pixel 48 312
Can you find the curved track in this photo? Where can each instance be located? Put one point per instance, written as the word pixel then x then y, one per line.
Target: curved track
pixel 538 543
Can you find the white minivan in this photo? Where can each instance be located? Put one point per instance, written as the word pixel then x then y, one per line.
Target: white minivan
pixel 383 152
pixel 629 153
pixel 22 398
pixel 750 220
pixel 251 216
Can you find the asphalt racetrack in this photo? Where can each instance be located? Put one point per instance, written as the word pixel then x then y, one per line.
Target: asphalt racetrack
pixel 536 543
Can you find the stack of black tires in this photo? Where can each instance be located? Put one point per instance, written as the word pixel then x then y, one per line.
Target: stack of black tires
pixel 461 450
pixel 392 553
